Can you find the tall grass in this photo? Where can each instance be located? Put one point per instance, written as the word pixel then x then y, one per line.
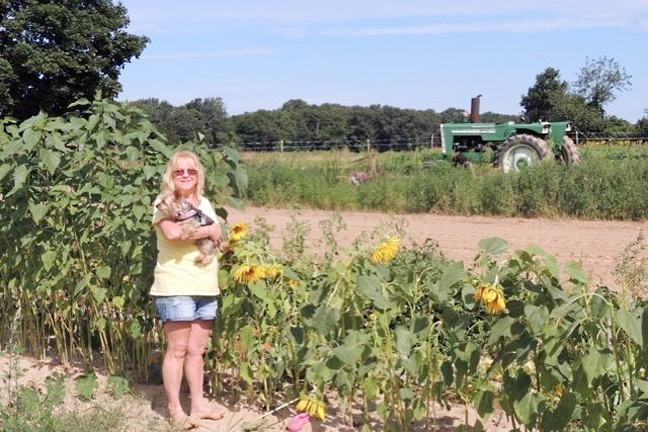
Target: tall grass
pixel 608 184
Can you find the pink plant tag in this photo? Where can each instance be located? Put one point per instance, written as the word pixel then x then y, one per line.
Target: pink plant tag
pixel 298 422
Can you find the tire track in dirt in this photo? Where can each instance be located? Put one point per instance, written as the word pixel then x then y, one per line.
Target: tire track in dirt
pixel 597 245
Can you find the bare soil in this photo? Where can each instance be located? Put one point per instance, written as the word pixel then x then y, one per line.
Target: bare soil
pixel 144 409
pixel 597 245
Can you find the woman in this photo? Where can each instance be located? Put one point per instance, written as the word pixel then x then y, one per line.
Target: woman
pixel 185 293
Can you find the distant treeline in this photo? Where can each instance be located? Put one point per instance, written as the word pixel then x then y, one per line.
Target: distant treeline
pixel 298 121
pixel 298 124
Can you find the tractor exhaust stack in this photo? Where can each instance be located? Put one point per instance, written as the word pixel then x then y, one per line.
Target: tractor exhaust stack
pixel 474 110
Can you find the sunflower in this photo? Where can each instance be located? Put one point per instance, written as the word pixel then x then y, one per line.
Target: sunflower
pixel 498 305
pixel 273 271
pixel 238 231
pixel 492 297
pixel 314 407
pixel 248 273
pixel 386 251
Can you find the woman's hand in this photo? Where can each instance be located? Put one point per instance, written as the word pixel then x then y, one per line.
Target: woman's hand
pixel 216 233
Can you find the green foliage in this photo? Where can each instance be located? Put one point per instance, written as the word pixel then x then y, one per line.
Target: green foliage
pixel 119 386
pixel 200 116
pixel 599 79
pixel 55 52
pixel 538 102
pixel 41 418
pixel 86 385
pixel 76 198
pixel 551 99
pixel 603 186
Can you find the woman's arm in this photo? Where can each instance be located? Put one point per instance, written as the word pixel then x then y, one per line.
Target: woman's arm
pixel 174 231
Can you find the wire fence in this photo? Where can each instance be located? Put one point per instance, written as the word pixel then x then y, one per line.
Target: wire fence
pixel 414 143
pixel 401 144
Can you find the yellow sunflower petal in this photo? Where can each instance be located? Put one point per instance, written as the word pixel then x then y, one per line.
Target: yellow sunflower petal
pixel 248 273
pixel 238 231
pixel 386 251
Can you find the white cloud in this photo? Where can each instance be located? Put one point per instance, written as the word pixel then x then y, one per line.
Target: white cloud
pixel 474 27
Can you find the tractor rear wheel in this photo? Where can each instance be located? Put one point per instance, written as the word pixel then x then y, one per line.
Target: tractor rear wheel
pixel 521 151
pixel 569 153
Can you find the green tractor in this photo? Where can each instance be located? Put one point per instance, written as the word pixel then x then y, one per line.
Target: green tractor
pixel 514 145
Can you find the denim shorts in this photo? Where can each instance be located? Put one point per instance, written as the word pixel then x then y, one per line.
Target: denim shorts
pixel 186 308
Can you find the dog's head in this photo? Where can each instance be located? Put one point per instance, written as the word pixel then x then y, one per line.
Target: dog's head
pixel 176 208
pixel 169 205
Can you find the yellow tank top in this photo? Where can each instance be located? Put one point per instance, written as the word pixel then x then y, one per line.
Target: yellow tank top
pixel 175 271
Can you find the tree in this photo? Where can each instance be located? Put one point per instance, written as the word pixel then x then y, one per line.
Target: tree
pixel 539 101
pixel 572 107
pixel 53 52
pixel 642 124
pixel 599 79
pixel 183 124
pixel 214 116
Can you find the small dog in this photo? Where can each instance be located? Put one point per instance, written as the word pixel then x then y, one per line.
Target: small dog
pixel 191 219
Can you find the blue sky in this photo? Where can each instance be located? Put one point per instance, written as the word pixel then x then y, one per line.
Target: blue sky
pixel 419 54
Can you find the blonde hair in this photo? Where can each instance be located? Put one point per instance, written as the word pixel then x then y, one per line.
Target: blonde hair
pixel 168 185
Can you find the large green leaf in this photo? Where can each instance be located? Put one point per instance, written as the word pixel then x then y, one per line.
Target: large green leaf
pixel 104 272
pixel 484 401
pixel 631 325
pixel 536 317
pixel 562 416
pixel 325 319
pixel 20 175
pixel 526 409
pixel 452 274
pixel 245 335
pixel 595 364
pixel 38 211
pixel 48 258
pixel 31 137
pixel 4 170
pixel 370 286
pixel 231 154
pixel 159 146
pixel 501 328
pixel 50 158
pixel 575 271
pixel 404 340
pixel 493 245
pixel 348 354
pixel 246 373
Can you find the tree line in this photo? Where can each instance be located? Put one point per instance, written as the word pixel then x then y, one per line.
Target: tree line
pixel 55 52
pixel 297 123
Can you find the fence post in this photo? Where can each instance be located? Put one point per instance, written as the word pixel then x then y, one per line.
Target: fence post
pixel 368 145
pixel 432 141
pixel 281 146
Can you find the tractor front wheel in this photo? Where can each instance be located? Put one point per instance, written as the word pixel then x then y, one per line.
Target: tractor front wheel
pixel 521 151
pixel 569 153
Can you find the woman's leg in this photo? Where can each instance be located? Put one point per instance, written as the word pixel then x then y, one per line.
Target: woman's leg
pixel 194 370
pixel 177 333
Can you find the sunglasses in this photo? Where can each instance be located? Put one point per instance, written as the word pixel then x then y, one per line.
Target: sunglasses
pixel 190 172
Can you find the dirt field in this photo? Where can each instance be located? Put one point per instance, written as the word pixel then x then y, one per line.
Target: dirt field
pixel 597 245
pixel 144 409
